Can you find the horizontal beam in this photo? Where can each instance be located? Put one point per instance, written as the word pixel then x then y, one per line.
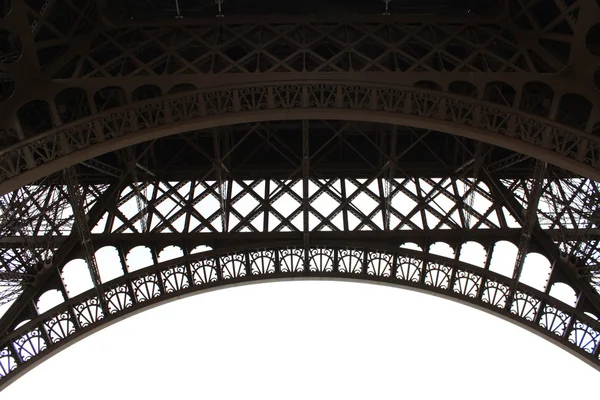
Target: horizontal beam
pixel 324 171
pixel 111 239
pixel 258 102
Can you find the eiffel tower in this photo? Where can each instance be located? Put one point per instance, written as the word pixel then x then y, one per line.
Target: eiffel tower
pixel 199 144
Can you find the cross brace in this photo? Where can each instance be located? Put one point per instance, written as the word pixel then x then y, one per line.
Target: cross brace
pixel 530 218
pixel 83 229
pixel 590 297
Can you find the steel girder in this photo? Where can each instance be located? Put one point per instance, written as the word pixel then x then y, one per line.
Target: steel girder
pixel 358 101
pixel 76 318
pixel 175 115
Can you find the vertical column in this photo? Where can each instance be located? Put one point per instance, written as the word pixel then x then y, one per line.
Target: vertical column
pixel 219 167
pixel 469 197
pixel 392 174
pixel 140 198
pixel 83 229
pixel 77 201
pixel 305 194
pixel 529 221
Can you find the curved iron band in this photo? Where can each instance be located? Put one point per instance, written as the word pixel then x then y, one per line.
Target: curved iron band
pixel 75 142
pixel 577 332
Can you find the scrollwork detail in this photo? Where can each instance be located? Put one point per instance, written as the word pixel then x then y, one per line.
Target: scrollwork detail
pixel 146 287
pixel 252 99
pixel 88 312
pixel 291 260
pixel 322 96
pixel 30 344
pixel 288 96
pixel 350 261
pixel 409 269
pixel 233 266
pixel 528 129
pixel 525 306
pixel 175 279
pixel 262 262
pixel 60 327
pixel 467 283
pixel 379 264
pixel 554 320
pixel 204 272
pixel 320 260
pixel 584 337
pixel 118 299
pixel 437 275
pixel 7 362
pixel 495 293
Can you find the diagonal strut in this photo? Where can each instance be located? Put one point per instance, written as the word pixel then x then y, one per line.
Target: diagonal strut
pixel 83 229
pixel 530 218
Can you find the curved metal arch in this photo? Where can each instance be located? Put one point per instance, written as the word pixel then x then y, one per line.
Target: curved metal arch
pixel 38 339
pixel 464 116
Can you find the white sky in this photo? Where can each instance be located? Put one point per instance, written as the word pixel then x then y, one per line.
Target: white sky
pixel 317 340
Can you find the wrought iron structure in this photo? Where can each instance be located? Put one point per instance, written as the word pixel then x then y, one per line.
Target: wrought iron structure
pixel 334 142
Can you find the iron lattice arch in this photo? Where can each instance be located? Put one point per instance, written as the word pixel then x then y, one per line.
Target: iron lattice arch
pixel 82 314
pixel 345 147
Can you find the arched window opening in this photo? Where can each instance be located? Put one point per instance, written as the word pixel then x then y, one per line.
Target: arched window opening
pixel 500 93
pixel 596 130
pixel 473 253
pixel 561 49
pixel 49 300
pixel 411 246
pixel 504 256
pixel 72 104
pixel 109 97
pixel 145 92
pixel 35 118
pixel 10 47
pixel 536 271
pixel 442 249
pixel 592 39
pixel 5 8
pixel 7 85
pixel 109 263
pixel 182 88
pixel 428 85
pixel 138 258
pixel 565 293
pixel 574 110
pixel 201 249
pixel 8 137
pixel 537 98
pixel 170 253
pixel 592 316
pixel 20 324
pixel 76 277
pixel 463 88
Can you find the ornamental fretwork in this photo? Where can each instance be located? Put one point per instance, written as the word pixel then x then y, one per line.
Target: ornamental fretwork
pixel 376 144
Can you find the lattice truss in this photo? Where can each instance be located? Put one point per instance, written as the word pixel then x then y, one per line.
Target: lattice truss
pixel 432 216
pixel 32 212
pixel 297 48
pixel 408 151
pixel 568 204
pixel 327 47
